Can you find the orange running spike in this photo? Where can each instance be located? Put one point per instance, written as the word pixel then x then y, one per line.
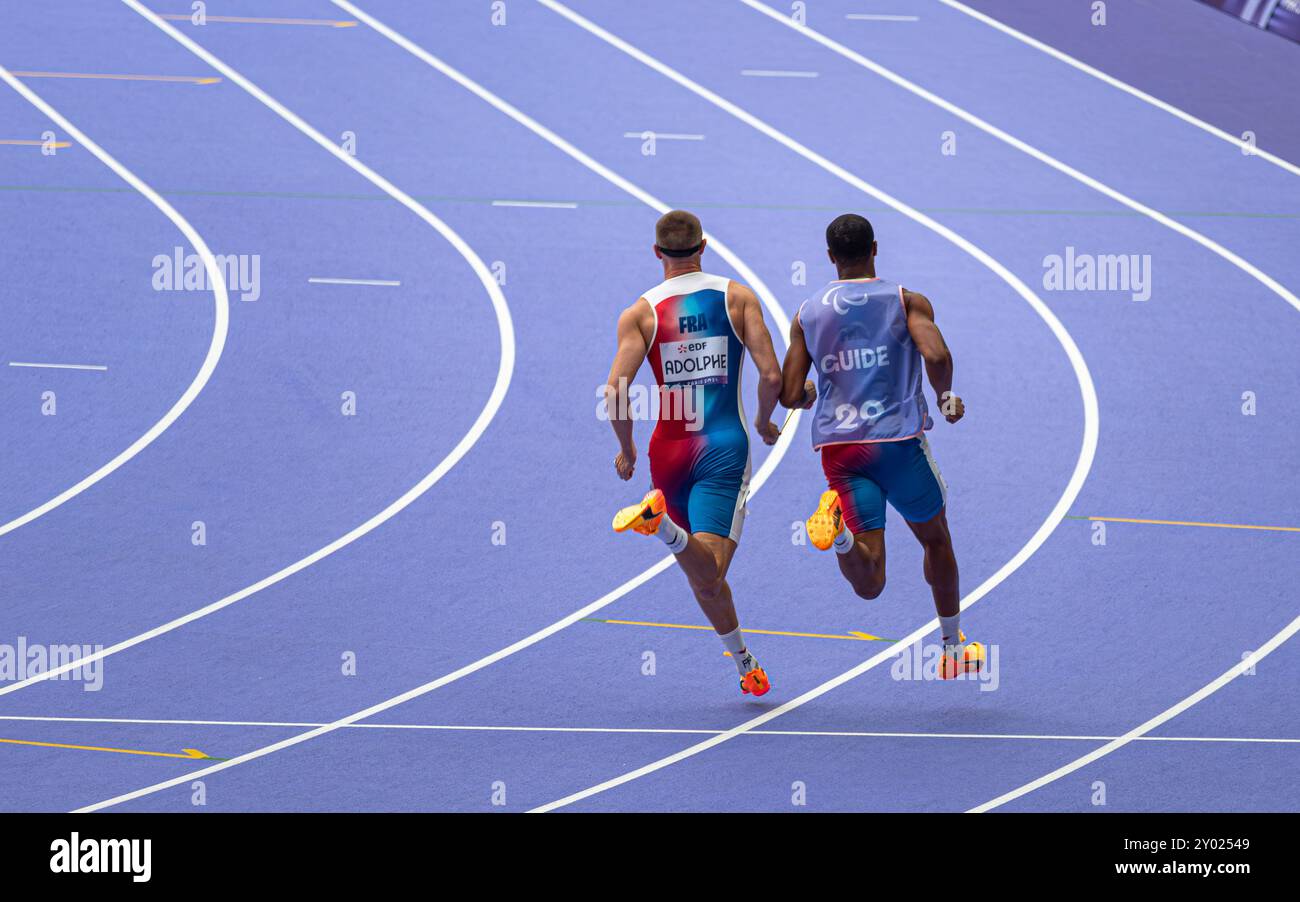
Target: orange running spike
pixel 644 517
pixel 972 660
pixel 755 682
pixel 824 525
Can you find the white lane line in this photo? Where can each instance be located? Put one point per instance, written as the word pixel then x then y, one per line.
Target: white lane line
pixel 778 451
pixel 1124 86
pixel 544 204
pixel 1087 392
pixel 480 424
pixel 881 17
pixel 888 74
pixel 777 73
pixel 663 136
pixel 1260 276
pixel 220 300
pixel 61 366
pixel 315 280
pixel 657 731
pixel 1140 731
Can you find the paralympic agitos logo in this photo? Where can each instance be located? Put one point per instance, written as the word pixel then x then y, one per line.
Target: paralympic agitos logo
pixel 842 303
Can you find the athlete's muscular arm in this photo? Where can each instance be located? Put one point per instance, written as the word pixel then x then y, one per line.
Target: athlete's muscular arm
pixel 796 390
pixel 759 343
pixel 934 350
pixel 627 360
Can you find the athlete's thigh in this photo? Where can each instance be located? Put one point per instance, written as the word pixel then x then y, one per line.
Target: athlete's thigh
pixel 908 473
pixel 874 541
pixel 933 530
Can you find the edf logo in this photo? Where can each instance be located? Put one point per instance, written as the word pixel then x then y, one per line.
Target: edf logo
pixel 691 324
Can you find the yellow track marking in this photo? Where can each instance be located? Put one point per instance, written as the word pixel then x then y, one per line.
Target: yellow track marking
pixel 1194 523
pixel 254 20
pixel 187 79
pixel 188 753
pixel 25 142
pixel 854 636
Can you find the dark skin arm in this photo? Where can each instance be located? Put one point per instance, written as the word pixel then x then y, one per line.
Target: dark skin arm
pixel 796 390
pixel 934 351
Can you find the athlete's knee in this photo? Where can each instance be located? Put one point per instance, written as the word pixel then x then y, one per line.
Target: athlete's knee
pixel 870 586
pixel 709 590
pixel 869 590
pixel 940 553
pixel 938 550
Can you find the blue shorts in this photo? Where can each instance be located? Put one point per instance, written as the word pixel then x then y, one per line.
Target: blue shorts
pixel 705 480
pixel 867 474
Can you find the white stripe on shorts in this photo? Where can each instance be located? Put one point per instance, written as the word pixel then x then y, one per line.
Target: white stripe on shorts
pixel 934 468
pixel 738 516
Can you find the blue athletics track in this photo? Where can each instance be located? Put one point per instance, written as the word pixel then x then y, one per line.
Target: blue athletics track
pixel 307 495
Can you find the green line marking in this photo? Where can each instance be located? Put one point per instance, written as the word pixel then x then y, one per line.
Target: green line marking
pixel 713 205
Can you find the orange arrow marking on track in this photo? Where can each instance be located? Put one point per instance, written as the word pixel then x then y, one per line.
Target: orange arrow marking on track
pixel 187 753
pixel 188 79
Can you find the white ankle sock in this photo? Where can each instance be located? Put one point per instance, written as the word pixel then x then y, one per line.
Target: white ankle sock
pixel 673 535
pixel 843 542
pixel 734 642
pixel 950 629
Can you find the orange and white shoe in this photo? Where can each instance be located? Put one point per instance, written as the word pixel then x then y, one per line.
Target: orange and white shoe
pixel 644 517
pixel 755 682
pixel 825 525
pixel 971 659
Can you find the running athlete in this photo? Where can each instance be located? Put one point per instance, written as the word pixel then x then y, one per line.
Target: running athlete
pixel 868 339
pixel 694 329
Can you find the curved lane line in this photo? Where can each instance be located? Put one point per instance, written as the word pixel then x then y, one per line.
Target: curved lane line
pixel 1141 730
pixel 1012 141
pixel 220 322
pixel 1088 393
pixel 1237 261
pixel 499 388
pixel 1125 87
pixel 764 471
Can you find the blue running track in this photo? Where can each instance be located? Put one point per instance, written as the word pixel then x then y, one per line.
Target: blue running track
pixel 417 606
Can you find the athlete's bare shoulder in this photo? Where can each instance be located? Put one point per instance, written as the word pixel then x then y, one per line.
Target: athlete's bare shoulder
pixel 916 303
pixel 640 315
pixel 741 301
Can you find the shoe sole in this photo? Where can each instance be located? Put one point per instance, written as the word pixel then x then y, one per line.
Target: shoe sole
pixel 825 524
pixel 640 518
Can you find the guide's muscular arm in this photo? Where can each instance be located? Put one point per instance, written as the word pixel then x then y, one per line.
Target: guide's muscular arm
pixel 934 351
pixel 634 324
pixel 758 341
pixel 796 390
